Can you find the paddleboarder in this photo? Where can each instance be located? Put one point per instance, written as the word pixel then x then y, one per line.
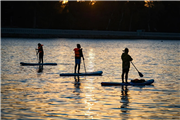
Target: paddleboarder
pixel 126 58
pixel 41 52
pixel 78 54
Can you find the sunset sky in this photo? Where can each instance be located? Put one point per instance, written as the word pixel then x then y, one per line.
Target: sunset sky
pixel 148 3
pixel 65 1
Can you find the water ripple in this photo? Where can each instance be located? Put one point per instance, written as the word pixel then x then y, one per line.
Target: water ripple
pixel 29 94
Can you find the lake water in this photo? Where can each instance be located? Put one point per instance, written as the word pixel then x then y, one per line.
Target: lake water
pixel 27 93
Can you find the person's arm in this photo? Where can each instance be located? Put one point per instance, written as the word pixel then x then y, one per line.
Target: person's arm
pixel 122 57
pixel 125 57
pixel 130 58
pixel 37 50
pixel 81 53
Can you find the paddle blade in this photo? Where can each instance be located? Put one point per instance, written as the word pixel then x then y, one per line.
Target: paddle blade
pixel 140 74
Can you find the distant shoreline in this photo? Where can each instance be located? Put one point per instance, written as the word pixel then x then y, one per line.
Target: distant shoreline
pixel 89 34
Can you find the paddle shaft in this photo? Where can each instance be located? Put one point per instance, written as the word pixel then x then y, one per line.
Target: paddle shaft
pixel 140 74
pixel 37 54
pixel 84 66
pixel 134 66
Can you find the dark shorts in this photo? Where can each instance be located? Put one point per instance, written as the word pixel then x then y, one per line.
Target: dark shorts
pixel 40 55
pixel 77 61
pixel 125 70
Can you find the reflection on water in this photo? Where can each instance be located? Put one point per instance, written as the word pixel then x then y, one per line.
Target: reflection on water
pixel 77 82
pixel 91 57
pixel 125 102
pixel 38 92
pixel 40 70
pixel 124 98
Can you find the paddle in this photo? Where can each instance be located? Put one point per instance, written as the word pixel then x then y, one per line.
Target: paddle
pixel 37 54
pixel 140 74
pixel 84 66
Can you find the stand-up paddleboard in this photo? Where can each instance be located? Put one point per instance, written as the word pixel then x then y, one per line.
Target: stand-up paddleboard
pixel 83 74
pixel 32 64
pixel 147 82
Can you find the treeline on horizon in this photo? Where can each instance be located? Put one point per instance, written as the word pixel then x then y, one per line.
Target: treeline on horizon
pixel 156 16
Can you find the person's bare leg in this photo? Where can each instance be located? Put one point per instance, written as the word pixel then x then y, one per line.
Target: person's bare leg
pixel 126 76
pixel 75 68
pixel 122 76
pixel 78 68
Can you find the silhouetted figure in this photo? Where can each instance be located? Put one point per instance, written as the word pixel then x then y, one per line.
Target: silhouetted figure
pixel 78 54
pixel 126 58
pixel 41 52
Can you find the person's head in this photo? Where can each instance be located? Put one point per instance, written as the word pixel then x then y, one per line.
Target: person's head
pixel 78 46
pixel 126 50
pixel 39 44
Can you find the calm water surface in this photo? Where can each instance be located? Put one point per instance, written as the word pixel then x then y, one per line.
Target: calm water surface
pixel 27 93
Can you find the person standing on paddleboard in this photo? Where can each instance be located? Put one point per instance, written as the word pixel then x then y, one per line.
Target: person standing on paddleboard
pixel 78 54
pixel 126 58
pixel 41 52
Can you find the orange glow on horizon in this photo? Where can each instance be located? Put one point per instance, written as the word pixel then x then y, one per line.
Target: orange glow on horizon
pixel 64 1
pixel 92 2
pixel 148 3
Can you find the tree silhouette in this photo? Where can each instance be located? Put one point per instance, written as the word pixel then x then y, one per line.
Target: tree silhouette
pixel 156 16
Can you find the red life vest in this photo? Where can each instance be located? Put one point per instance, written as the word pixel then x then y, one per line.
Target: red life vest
pixel 40 49
pixel 77 53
